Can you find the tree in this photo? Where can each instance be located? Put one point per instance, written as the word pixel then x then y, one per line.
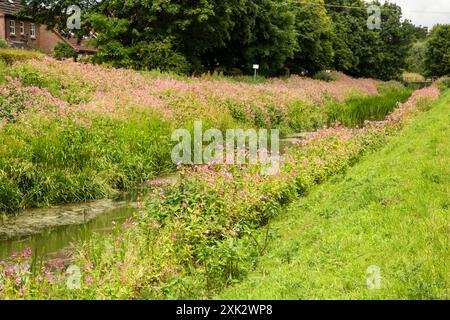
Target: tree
pixel 54 14
pixel 437 56
pixel 395 42
pixel 263 33
pixel 350 34
pixel 370 53
pixel 314 35
pixel 415 61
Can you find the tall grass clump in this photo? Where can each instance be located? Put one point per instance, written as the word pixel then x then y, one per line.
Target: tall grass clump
pixel 356 110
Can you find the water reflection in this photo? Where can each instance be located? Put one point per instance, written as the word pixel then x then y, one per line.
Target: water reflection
pixel 52 241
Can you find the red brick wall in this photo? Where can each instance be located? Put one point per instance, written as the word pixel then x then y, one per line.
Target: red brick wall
pixel 18 36
pixel 47 40
pixel 2 27
pixel 44 40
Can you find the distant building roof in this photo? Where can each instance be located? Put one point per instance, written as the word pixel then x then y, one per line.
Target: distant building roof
pixel 82 46
pixel 10 7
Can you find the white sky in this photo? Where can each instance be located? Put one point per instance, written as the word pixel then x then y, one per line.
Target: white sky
pixel 440 11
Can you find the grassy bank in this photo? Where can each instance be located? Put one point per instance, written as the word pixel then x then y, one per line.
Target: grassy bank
pixel 391 211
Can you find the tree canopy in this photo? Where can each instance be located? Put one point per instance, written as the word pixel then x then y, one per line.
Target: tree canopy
pixel 195 36
pixel 437 55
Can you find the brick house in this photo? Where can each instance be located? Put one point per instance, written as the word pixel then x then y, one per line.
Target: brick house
pixel 23 32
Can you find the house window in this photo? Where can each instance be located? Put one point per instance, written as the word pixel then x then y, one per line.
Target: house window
pixel 32 30
pixel 12 27
pixel 22 28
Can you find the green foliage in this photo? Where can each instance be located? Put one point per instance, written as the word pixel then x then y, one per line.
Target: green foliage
pixel 357 110
pixel 415 62
pixel 160 55
pixel 61 87
pixel 359 51
pixel 9 56
pixel 437 57
pixel 325 76
pixel 314 30
pixel 229 35
pixel 3 44
pixel 71 163
pixel 303 117
pixel 444 83
pixel 11 104
pixel 64 51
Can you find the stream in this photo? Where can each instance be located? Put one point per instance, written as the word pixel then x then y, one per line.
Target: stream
pixel 49 232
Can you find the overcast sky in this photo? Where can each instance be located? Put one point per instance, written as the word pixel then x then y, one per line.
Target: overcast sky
pixel 411 8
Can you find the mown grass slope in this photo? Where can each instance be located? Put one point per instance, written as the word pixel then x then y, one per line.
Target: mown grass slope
pixel 391 211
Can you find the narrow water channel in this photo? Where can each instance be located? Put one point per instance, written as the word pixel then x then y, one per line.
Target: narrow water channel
pixel 49 232
pixel 53 242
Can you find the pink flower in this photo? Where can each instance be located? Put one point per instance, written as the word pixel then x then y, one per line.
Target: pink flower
pixel 18 281
pixel 22 291
pixel 89 280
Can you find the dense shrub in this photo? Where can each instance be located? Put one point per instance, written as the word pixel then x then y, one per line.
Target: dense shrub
pixel 12 55
pixel 161 55
pixel 357 110
pixel 444 83
pixel 3 44
pixel 325 76
pixel 64 51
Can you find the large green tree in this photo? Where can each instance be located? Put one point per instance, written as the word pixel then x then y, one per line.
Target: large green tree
pixel 200 35
pixel 437 55
pixel 361 51
pixel 263 33
pixel 314 32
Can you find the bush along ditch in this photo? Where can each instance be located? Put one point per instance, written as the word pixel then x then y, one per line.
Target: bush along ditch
pixel 191 239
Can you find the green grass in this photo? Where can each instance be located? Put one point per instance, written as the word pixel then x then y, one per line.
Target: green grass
pixel 391 210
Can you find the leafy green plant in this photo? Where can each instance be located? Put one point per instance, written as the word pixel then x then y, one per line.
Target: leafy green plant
pixel 357 110
pixel 325 76
pixel 64 51
pixel 10 56
pixel 3 44
pixel 161 55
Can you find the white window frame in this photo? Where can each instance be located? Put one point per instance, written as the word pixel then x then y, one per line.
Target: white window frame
pixel 32 30
pixel 12 27
pixel 22 28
